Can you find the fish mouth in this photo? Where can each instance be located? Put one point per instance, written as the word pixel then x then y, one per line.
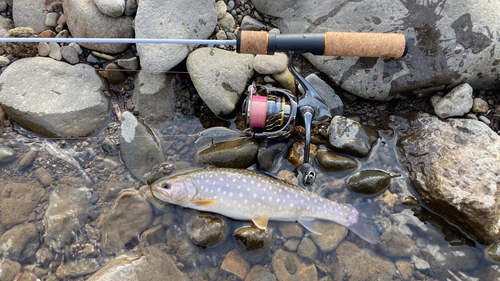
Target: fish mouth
pixel 160 193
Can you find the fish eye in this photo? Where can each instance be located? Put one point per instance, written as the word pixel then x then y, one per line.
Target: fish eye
pixel 165 185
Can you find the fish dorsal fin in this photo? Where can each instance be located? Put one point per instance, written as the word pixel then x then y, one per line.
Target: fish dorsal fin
pixel 260 220
pixel 311 224
pixel 202 202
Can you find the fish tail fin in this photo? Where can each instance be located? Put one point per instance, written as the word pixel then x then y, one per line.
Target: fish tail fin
pixel 364 226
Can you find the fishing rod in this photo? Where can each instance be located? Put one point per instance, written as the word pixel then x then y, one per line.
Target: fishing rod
pixel 272 112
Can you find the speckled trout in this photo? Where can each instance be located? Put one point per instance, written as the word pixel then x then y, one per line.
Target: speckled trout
pixel 248 195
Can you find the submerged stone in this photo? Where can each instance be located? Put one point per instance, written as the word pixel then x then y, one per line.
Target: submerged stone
pixel 252 242
pixel 369 182
pixel 333 162
pixel 240 153
pixel 206 230
pixel 350 137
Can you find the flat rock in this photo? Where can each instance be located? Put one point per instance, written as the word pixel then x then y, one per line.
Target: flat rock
pixel 69 54
pixel 259 273
pixel 77 268
pixel 349 258
pixel 350 137
pixel 20 242
pixel 282 261
pixel 17 201
pixel 171 19
pixel 40 94
pixel 220 77
pixel 453 166
pixel 66 215
pixel 457 102
pixel 331 235
pixel 27 13
pixel 455 38
pixel 140 150
pixel 235 264
pixel 84 19
pixel 394 243
pixel 144 264
pixel 130 216
pixel 270 64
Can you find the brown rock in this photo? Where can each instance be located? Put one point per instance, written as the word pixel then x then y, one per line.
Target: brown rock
pixel 17 201
pixel 291 229
pixel 47 34
pixel 153 236
pixel 20 242
pixel 27 159
pixel 394 243
pixel 479 105
pixel 130 216
pixel 283 262
pixel 9 269
pixel 235 264
pixel 26 49
pixel 258 273
pixel 43 177
pixel 331 235
pixel 296 155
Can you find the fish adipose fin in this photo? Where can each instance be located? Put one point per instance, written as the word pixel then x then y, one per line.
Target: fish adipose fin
pixel 202 202
pixel 312 225
pixel 364 226
pixel 260 220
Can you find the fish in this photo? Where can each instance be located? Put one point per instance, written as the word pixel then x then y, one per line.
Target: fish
pixel 251 196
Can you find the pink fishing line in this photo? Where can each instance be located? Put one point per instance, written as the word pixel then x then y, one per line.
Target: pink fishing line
pixel 258 117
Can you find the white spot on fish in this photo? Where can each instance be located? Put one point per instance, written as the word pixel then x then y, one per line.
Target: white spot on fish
pixel 230 194
pixel 288 196
pixel 291 205
pixel 255 195
pixel 248 188
pixel 221 179
pixel 234 179
pixel 298 208
pixel 201 187
pixel 280 190
pixel 246 201
pixel 296 195
pixel 258 185
pixel 307 198
pixel 301 200
pixel 259 204
pixel 238 187
pixel 278 200
pixel 215 197
pixel 252 182
pixel 214 182
pixel 211 191
pixel 263 198
pixel 315 200
pixel 218 189
pixel 234 201
pixel 244 180
pixel 270 198
pixel 228 185
pixel 241 194
pixel 224 193
pixel 279 208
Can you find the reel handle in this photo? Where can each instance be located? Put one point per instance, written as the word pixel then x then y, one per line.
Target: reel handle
pixel 326 44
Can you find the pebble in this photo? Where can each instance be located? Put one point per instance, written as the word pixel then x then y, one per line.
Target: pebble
pixel 369 182
pixel 55 51
pixel 206 230
pixel 296 154
pixel 221 9
pixel 63 34
pixel 43 49
pixel 227 21
pixel 351 137
pixel 275 31
pixel 130 63
pixel 9 269
pixel 221 35
pixel 331 235
pixel 114 74
pixel 394 243
pixel 43 177
pixel 7 155
pixel 70 54
pixel 20 242
pixel 61 20
pixel 484 119
pixel 307 249
pixel 153 236
pixel 253 243
pixel 51 19
pixel 492 253
pixel 111 8
pixel 102 56
pixel 77 268
pixel 235 264
pixel 240 153
pixel 291 245
pixel 291 229
pixel 28 158
pixel 249 23
pixel 27 49
pixel 230 5
pixel 269 79
pixel 479 105
pixel 76 47
pixel 471 116
pixel 286 80
pixel 92 59
pixel 334 162
pixel 270 64
pixel 259 273
pixel 289 266
pixel 456 103
pixel 268 151
pixel 4 61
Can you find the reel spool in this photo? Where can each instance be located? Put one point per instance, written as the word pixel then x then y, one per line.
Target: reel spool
pixel 269 112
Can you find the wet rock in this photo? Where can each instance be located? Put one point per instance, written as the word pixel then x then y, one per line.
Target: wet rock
pixel 206 230
pixel 240 153
pixel 291 245
pixel 161 171
pixel 369 182
pixel 349 257
pixel 43 177
pixel 18 201
pixel 114 74
pixel 479 105
pixel 491 272
pixel 151 14
pixel 25 49
pixel 419 263
pixel 492 253
pixel 288 176
pixel 66 215
pixel 453 166
pixel 350 137
pixel 331 99
pixel 456 103
pixel 7 155
pixel 394 243
pixel 155 96
pixel 9 269
pixel 405 268
pixel 44 256
pixel 301 269
pixel 259 273
pixel 20 242
pixel 268 151
pixel 44 101
pixel 187 253
pixel 111 189
pixel 84 19
pixel 286 80
pixel 291 229
pixel 130 216
pixel 463 57
pixel 235 264
pixel 253 243
pixel 220 78
pixel 296 154
pixel 147 264
pixel 333 162
pixel 140 153
pixel 29 14
pixel 153 236
pixel 307 249
pixel 111 8
pixel 77 268
pixel 458 258
pixel 331 235
pixel 145 190
pixel 226 22
pixel 26 275
pixel 249 23
pixel 270 64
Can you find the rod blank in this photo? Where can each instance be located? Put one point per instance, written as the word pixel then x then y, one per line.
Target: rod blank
pixel 118 40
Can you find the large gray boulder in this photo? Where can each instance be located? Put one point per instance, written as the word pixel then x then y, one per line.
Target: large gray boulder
pixel 171 19
pixel 454 168
pixel 29 13
pixel 84 19
pixel 449 42
pixel 54 99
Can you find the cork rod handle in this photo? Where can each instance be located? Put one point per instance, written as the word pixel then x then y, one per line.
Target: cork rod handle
pixel 327 44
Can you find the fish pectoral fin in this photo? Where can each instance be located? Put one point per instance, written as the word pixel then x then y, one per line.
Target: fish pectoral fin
pixel 311 224
pixel 202 202
pixel 260 220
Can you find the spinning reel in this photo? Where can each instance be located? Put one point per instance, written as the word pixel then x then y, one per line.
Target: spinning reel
pixel 272 113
